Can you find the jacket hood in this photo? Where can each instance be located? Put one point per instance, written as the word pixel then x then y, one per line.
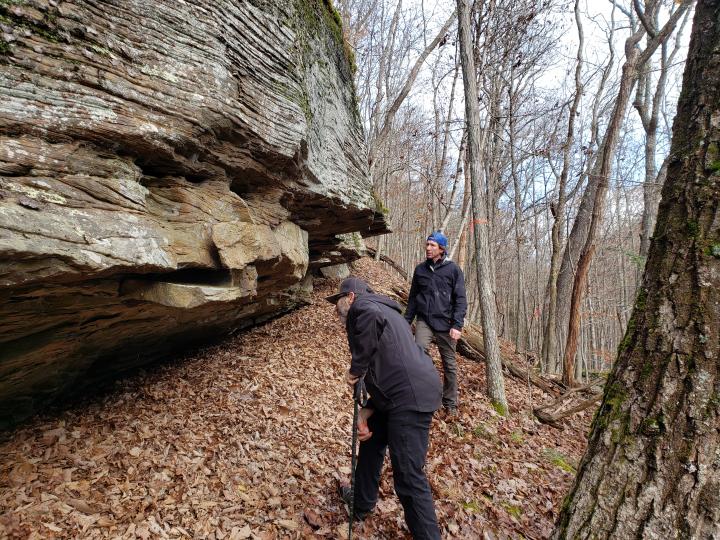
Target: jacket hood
pixel 380 299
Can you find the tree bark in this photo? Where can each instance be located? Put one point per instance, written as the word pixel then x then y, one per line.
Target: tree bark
pixel 652 468
pixel 495 382
pixel 568 376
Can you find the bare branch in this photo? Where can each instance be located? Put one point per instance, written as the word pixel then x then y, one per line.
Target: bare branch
pixel 647 24
pixel 392 110
pixel 666 30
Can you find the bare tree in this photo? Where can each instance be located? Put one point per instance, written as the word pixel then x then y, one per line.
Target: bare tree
pixel 385 124
pixel 495 382
pixel 648 103
pixel 549 346
pixel 538 175
pixel 634 57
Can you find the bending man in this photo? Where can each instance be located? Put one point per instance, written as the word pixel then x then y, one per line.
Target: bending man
pixel 404 389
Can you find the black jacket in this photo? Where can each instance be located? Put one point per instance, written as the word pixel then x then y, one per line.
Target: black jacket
pixel 437 295
pixel 399 376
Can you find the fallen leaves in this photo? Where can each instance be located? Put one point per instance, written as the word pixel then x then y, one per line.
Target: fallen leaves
pixel 248 439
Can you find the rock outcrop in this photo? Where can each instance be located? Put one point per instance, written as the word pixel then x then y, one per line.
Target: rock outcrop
pixel 169 172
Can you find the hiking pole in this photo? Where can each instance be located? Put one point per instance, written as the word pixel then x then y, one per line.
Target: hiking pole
pixel 359 399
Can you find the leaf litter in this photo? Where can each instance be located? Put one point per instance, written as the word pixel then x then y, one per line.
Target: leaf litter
pixel 249 439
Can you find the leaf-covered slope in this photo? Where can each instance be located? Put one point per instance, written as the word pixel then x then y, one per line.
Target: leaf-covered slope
pixel 247 439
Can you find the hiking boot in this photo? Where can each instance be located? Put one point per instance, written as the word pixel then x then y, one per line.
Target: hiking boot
pixel 346 495
pixel 451 413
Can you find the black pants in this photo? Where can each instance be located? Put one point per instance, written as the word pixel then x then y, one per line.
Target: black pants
pixel 406 433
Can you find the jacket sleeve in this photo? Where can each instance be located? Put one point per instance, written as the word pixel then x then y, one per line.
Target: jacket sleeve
pixel 412 299
pixel 459 301
pixel 363 335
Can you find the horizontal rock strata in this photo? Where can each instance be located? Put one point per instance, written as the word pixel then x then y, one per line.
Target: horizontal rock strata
pixel 169 172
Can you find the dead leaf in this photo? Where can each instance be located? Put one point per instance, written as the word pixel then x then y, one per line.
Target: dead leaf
pixel 284 411
pixel 288 524
pixel 81 506
pixel 342 530
pixel 22 473
pixel 53 435
pixel 105 521
pixel 313 518
pixel 238 533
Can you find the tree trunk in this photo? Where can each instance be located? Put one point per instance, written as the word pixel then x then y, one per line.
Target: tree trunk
pixel 517 199
pixel 648 108
pixel 495 382
pixel 601 178
pixel 549 345
pixel 652 468
pixel 568 377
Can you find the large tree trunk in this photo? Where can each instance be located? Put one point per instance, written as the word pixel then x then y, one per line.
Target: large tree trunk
pixel 495 382
pixel 652 468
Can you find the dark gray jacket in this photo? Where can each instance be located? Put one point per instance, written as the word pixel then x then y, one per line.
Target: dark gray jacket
pixel 437 295
pixel 399 376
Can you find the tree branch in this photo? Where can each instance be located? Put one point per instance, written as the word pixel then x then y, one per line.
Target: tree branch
pixel 666 30
pixel 393 109
pixel 649 28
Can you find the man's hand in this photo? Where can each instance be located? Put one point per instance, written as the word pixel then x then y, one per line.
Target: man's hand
pixel 455 334
pixel 350 378
pixel 364 432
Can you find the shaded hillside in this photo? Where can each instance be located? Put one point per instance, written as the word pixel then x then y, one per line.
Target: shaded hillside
pixel 248 438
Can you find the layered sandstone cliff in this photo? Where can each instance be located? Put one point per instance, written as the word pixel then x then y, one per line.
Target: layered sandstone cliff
pixel 169 171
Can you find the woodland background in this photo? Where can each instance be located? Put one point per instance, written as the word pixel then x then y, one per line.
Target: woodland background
pixel 549 75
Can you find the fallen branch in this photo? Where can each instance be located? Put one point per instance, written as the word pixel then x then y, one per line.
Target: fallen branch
pixel 384 258
pixel 468 347
pixel 553 419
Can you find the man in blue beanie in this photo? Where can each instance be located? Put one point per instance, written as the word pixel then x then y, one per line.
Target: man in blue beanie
pixel 437 299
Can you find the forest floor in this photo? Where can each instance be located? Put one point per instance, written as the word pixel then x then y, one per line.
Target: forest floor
pixel 248 439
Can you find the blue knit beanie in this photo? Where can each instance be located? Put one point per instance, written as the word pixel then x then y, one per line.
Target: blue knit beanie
pixel 439 238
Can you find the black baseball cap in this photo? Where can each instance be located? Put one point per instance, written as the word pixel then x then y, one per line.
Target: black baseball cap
pixel 349 285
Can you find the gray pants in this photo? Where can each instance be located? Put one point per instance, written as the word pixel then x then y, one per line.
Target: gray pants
pixel 446 346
